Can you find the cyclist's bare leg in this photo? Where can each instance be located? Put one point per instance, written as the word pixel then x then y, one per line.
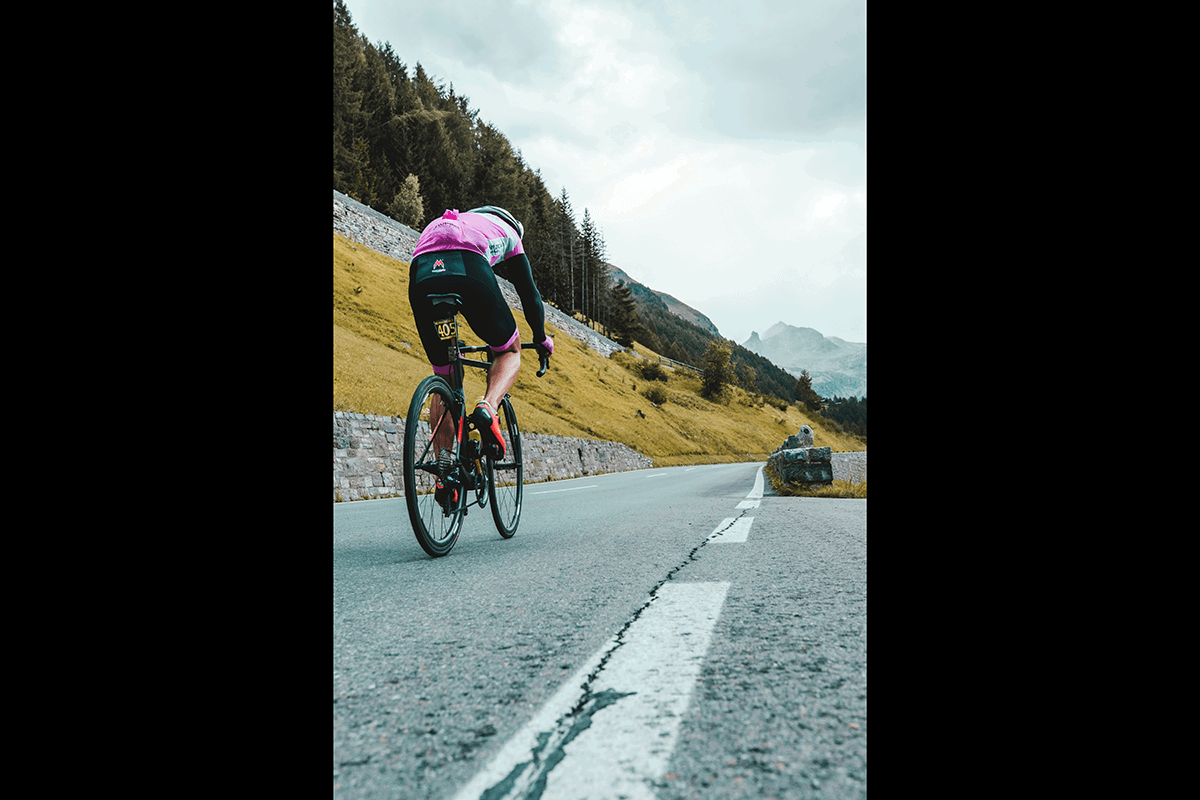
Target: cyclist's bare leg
pixel 502 374
pixel 443 437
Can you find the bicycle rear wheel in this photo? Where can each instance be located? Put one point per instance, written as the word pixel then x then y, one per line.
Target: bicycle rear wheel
pixel 506 478
pixel 436 525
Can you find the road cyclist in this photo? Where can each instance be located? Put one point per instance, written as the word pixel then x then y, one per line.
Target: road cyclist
pixel 452 273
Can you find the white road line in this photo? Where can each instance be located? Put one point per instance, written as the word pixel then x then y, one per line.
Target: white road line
pixel 657 667
pixel 732 530
pixel 572 489
pixel 520 748
pixel 608 753
pixel 758 486
pixel 749 504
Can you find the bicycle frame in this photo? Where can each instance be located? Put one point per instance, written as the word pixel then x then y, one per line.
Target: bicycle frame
pixel 448 331
pixel 451 304
pixel 456 350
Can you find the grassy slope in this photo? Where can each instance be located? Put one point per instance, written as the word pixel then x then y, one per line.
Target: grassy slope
pixel 378 361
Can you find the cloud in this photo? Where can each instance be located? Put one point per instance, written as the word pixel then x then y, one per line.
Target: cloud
pixel 512 40
pixel 640 188
pixel 841 162
pixel 720 147
pixel 782 70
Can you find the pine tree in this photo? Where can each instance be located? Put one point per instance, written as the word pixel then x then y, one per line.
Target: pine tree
pixel 805 393
pixel 346 100
pixel 497 177
pixel 397 72
pixel 747 378
pixel 361 186
pixel 593 275
pixel 371 79
pixel 539 234
pixel 625 324
pixel 567 236
pixel 596 281
pixel 429 93
pixel 586 232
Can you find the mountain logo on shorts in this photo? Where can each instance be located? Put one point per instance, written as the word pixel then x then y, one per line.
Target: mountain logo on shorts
pixel 438 266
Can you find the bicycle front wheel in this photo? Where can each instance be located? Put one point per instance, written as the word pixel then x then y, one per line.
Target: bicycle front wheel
pixel 506 477
pixel 436 514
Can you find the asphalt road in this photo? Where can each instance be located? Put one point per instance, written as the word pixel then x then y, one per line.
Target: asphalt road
pixel 645 634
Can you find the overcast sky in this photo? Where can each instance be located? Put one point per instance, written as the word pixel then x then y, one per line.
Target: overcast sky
pixel 720 146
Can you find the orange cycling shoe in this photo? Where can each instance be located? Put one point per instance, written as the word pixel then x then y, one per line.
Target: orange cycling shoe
pixel 487 422
pixel 446 496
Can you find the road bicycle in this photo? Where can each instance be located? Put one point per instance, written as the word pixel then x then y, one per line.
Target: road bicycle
pixel 477 474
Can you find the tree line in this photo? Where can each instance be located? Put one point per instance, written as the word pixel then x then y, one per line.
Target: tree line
pixel 849 412
pixel 410 147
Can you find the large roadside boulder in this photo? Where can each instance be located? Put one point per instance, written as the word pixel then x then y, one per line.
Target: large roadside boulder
pixel 796 460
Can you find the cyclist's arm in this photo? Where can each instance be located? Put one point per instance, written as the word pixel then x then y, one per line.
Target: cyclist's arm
pixel 521 274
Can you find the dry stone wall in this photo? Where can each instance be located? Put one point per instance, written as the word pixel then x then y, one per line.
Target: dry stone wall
pixel 368 456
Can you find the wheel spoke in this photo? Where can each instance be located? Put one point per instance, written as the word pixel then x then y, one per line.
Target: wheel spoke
pixel 505 478
pixel 436 527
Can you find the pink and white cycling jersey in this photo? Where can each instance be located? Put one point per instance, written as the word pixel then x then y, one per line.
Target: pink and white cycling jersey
pixel 485 234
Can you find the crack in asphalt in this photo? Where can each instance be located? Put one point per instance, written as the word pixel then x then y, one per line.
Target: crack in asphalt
pixel 518 785
pixel 550 751
pixel 714 535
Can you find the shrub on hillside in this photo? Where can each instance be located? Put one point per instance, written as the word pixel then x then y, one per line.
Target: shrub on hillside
pixel 655 394
pixel 753 400
pixel 653 371
pixel 722 396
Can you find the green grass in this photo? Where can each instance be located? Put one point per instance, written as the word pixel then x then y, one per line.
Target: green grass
pixel 378 361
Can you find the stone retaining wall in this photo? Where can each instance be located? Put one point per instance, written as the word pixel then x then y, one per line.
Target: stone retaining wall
pixel 368 456
pixel 363 224
pixel 850 467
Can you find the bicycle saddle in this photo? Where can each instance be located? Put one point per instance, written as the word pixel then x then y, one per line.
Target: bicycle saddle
pixel 454 301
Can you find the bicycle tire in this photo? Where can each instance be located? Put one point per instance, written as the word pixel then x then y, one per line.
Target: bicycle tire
pixel 506 479
pixel 436 528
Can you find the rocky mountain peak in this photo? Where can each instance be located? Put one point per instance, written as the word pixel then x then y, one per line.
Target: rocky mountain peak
pixel 837 367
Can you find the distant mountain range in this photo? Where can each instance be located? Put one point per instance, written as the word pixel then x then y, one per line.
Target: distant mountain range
pixel 676 307
pixel 837 367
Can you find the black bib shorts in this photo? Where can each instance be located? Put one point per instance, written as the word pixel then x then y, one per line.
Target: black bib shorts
pixel 469 275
